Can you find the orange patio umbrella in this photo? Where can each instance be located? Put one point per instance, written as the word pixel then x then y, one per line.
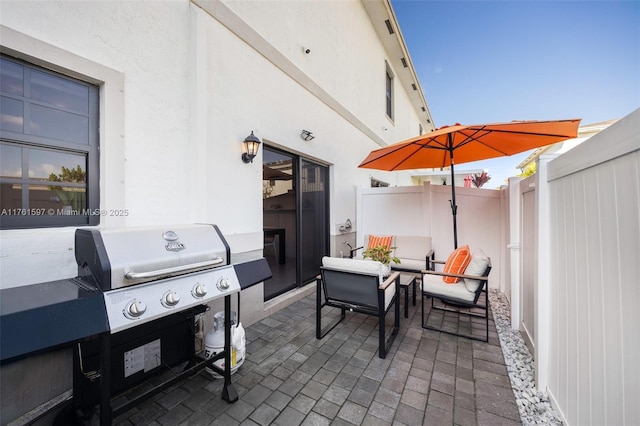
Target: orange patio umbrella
pixel 468 143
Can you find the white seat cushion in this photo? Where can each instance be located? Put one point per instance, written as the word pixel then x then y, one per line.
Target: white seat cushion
pixel 389 292
pixel 434 284
pixel 414 265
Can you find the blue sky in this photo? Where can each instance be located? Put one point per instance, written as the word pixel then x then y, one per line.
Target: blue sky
pixel 490 61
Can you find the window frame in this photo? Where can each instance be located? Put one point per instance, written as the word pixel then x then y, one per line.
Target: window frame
pixel 90 150
pixel 389 91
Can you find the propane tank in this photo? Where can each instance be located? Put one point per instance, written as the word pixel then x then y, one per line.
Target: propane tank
pixel 214 343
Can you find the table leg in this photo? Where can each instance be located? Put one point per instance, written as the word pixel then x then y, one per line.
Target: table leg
pixel 282 250
pixel 406 302
pixel 414 291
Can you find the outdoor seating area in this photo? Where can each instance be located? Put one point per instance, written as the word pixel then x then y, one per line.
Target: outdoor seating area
pixel 289 378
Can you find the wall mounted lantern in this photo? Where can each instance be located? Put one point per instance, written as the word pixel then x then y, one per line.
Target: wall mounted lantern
pixel 307 135
pixel 250 145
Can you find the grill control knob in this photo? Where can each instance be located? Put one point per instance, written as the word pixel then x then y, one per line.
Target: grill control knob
pixel 134 309
pixel 223 284
pixel 170 299
pixel 199 291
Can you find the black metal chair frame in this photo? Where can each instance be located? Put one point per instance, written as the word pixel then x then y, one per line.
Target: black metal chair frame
pixel 455 305
pixel 365 294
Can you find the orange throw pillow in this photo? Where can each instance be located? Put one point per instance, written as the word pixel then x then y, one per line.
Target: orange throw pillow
pixel 456 264
pixel 375 241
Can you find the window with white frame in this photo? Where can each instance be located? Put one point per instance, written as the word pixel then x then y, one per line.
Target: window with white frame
pixel 389 91
pixel 48 148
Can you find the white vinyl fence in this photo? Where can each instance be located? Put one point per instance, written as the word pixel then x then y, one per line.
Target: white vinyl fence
pixel 579 283
pixel 528 261
pixel 425 210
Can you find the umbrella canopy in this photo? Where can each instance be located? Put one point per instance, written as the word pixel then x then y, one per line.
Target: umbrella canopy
pixel 466 143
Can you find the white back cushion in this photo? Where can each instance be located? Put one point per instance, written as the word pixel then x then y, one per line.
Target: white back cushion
pixel 412 247
pixel 433 284
pixel 477 266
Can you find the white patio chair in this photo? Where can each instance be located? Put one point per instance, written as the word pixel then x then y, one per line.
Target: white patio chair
pixel 469 296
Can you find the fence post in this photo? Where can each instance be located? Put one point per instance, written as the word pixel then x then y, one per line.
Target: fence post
pixel 542 278
pixel 515 200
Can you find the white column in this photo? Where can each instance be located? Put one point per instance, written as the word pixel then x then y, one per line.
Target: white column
pixel 514 249
pixel 542 278
pixel 359 214
pixel 199 97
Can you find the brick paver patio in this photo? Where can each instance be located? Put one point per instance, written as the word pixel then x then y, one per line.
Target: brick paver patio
pixel 291 378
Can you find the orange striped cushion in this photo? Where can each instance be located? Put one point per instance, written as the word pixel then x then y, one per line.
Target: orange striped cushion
pixel 456 264
pixel 375 241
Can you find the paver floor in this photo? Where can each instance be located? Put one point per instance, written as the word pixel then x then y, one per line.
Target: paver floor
pixel 291 378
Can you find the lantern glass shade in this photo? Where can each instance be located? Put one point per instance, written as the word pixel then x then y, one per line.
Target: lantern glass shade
pixel 251 144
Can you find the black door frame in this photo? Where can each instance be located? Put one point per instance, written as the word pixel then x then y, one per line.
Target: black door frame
pixel 297 163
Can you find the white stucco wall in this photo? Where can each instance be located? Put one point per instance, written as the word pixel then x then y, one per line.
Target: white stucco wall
pixel 180 90
pixel 144 123
pixel 347 59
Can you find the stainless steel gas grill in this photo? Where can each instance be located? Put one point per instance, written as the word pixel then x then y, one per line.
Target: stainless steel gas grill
pixel 129 315
pixel 154 282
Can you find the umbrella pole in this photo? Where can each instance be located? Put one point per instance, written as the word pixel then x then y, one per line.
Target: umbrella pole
pixel 454 206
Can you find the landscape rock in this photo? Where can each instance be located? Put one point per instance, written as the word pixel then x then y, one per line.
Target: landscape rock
pixel 534 406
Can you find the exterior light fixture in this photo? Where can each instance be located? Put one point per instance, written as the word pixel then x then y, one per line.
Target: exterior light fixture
pixel 250 144
pixel 307 135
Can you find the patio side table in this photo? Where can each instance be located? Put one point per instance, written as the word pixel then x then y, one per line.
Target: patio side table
pixel 407 280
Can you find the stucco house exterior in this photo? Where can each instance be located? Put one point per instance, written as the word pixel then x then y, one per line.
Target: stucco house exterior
pixel 168 92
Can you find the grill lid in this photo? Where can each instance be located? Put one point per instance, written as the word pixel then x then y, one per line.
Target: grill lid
pixel 120 257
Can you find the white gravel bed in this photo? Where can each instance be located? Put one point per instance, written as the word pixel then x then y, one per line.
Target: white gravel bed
pixel 534 406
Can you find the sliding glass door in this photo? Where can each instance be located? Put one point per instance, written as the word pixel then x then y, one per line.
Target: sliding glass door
pixel 295 219
pixel 313 216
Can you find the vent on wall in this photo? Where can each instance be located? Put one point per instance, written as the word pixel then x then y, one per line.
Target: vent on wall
pixel 414 86
pixel 404 62
pixel 389 27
